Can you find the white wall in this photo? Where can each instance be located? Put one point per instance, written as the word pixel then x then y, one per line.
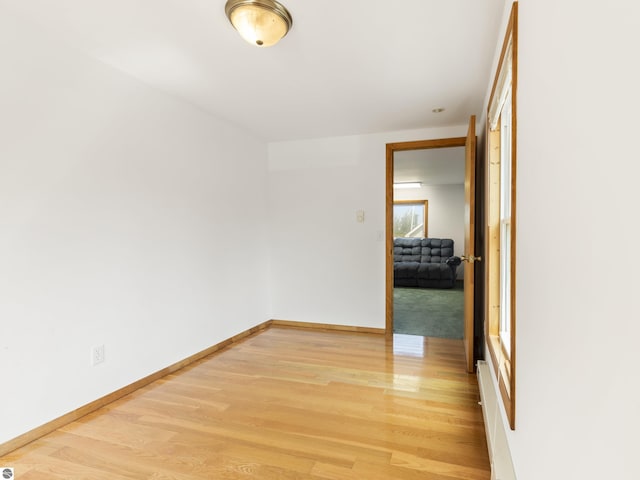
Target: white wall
pixel 577 412
pixel 326 267
pixel 121 223
pixel 446 212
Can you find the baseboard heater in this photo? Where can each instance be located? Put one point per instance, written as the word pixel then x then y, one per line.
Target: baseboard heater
pixel 499 453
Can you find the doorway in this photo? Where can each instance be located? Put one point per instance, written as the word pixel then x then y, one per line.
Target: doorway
pixel 469 143
pixel 429 204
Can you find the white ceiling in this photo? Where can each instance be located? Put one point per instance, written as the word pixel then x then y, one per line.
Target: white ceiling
pixel 346 67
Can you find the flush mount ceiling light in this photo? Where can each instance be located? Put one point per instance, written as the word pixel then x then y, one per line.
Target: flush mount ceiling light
pixel 260 22
pixel 407 185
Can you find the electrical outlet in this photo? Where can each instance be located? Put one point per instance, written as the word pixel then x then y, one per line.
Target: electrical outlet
pixel 97 355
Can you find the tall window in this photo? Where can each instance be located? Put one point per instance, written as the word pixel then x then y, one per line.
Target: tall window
pixel 501 220
pixel 505 223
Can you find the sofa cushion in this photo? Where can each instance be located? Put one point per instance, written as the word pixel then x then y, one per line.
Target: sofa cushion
pixel 435 250
pixel 407 249
pixel 406 274
pixel 434 271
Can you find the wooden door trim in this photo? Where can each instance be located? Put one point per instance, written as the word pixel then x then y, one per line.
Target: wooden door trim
pixel 391 148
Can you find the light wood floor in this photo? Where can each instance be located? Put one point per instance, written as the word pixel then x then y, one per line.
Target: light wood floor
pixel 284 404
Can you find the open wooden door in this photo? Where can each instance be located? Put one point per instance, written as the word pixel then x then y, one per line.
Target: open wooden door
pixel 469 257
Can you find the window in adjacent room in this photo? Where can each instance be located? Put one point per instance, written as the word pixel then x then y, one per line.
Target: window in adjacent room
pixel 410 218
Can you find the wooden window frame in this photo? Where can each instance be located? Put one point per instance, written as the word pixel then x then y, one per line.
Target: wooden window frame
pixel 503 359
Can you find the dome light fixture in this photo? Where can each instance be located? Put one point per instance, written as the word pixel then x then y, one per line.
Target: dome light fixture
pixel 260 22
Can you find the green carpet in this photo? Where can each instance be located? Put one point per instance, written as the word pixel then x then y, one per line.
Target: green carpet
pixel 429 312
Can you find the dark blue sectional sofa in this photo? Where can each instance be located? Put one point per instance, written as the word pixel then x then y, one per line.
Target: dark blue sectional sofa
pixel 424 262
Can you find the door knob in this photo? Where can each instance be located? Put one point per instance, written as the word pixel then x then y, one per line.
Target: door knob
pixel 470 258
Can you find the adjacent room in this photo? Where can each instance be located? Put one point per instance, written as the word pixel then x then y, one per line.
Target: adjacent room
pixel 429 209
